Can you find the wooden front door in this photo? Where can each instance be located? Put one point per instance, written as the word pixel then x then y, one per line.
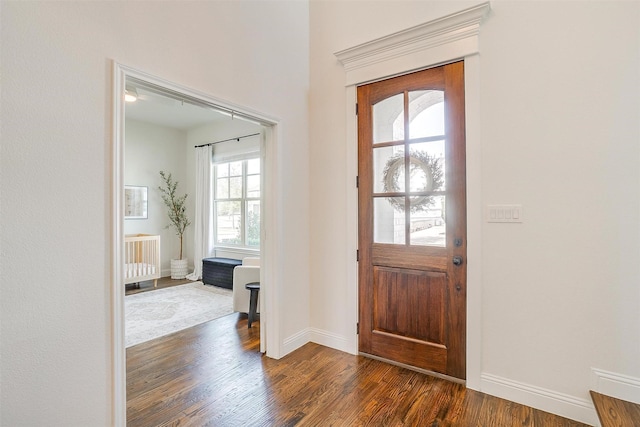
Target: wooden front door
pixel 412 219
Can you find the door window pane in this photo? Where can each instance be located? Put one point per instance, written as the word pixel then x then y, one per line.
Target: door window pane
pixel 426 113
pixel 428 227
pixel 385 125
pixel 388 222
pixel 388 169
pixel 427 166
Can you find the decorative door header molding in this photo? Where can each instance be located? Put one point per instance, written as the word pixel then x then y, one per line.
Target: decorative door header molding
pixel 442 40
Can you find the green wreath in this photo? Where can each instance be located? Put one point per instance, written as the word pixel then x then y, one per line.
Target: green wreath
pixel 419 160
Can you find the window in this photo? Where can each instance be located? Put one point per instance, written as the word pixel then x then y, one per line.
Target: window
pixel 237 203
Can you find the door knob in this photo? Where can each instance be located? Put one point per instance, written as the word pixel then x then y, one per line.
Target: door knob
pixel 457 260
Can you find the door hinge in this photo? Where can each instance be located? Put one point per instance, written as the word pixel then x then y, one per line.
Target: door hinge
pixel 357 182
pixel 356 108
pixel 358 328
pixel 357 255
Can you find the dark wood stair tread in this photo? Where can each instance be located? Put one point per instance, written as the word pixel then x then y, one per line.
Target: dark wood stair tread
pixel 614 412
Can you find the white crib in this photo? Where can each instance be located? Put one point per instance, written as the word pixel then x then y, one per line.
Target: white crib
pixel 141 258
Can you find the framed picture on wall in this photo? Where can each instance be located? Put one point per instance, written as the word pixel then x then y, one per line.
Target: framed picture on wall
pixel 135 202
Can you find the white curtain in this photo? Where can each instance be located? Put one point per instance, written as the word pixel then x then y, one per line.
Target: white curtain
pixel 203 216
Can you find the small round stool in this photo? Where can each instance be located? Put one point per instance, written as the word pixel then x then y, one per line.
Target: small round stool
pixel 254 287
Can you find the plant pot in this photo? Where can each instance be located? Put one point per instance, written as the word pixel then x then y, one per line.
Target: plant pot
pixel 179 268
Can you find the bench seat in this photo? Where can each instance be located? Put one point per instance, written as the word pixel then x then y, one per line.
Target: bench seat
pixel 219 271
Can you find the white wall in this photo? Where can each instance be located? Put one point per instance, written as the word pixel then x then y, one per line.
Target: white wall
pixel 150 149
pixel 56 173
pixel 560 106
pixel 560 113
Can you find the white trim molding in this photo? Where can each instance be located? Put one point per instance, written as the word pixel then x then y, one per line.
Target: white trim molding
pixel 474 220
pixel 296 341
pixel 118 350
pixel 318 336
pixel 351 219
pixel 546 400
pixel 615 385
pixel 451 37
pixel 328 339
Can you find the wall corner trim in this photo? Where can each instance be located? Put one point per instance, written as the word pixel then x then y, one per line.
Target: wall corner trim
pixel 318 336
pixel 460 28
pixel 295 341
pixel 335 341
pixel 565 405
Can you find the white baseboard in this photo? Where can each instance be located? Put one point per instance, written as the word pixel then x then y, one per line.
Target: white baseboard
pixel 615 385
pixel 318 336
pixel 330 340
pixel 295 341
pixel 546 400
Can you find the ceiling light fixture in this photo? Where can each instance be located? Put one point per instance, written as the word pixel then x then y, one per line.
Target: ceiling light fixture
pixel 130 95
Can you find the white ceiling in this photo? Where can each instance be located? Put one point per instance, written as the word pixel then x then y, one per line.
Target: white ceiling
pixel 162 110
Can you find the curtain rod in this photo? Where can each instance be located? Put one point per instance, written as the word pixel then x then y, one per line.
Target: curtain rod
pixel 227 140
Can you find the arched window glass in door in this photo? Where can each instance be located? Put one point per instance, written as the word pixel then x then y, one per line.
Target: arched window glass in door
pixel 409 209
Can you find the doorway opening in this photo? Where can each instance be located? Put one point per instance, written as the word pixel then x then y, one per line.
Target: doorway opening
pixel 168 122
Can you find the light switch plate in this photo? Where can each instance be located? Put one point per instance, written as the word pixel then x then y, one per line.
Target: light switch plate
pixel 504 213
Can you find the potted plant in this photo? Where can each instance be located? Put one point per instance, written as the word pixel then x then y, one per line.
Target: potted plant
pixel 178 220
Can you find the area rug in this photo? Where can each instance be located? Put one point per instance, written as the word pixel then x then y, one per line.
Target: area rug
pixel 161 312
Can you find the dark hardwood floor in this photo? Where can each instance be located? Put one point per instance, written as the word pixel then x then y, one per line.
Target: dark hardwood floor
pixel 213 375
pixel 614 412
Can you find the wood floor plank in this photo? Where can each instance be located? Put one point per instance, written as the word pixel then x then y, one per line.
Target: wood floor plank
pixel 213 375
pixel 614 412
